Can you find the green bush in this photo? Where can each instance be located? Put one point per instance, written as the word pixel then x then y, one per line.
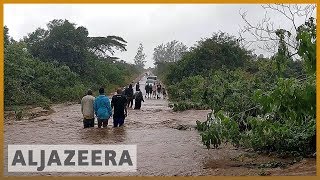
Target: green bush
pixel 286 122
pixel 30 81
pixel 185 105
pixel 191 88
pixel 256 106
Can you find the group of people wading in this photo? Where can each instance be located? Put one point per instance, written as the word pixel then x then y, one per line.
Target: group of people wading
pixel 155 90
pixel 101 107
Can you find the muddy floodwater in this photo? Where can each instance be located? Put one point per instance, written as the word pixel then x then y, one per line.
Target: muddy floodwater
pixel 167 143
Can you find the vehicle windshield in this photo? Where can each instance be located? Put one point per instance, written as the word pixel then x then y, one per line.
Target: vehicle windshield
pixel 152 77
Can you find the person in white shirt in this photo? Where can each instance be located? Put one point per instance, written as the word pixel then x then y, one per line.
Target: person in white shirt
pixel 87 109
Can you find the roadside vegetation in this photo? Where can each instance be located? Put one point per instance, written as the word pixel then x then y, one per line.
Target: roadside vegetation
pixel 267 104
pixel 60 63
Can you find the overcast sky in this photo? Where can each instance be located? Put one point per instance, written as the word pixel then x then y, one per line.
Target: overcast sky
pixel 149 24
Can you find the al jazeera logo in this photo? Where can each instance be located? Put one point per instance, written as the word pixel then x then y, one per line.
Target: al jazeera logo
pixel 72 158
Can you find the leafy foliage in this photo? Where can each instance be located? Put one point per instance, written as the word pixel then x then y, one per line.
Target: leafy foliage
pixel 69 45
pixel 30 81
pixel 6 38
pixel 139 58
pixel 285 124
pixel 169 52
pixel 59 64
pixel 221 50
pixel 307 44
pixel 260 103
pixel 102 45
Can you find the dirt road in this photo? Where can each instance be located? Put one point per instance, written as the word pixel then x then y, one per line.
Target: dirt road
pixel 168 144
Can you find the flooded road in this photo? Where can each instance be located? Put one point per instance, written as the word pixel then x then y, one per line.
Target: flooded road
pixel 167 142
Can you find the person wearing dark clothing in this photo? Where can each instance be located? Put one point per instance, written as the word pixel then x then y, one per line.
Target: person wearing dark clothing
pixel 137 86
pixel 138 98
pixel 164 92
pixel 150 91
pixel 129 94
pixel 158 91
pixel 147 88
pixel 119 104
pixel 123 91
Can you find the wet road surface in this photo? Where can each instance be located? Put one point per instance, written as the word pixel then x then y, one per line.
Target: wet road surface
pixel 164 148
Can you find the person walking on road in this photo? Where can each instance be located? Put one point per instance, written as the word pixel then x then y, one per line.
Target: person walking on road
pixel 150 90
pixel 164 93
pixel 137 86
pixel 158 91
pixel 87 109
pixel 102 109
pixel 129 94
pixel 147 89
pixel 154 90
pixel 119 104
pixel 123 91
pixel 138 98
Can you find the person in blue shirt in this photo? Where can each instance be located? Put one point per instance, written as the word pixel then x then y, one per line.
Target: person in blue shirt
pixel 102 109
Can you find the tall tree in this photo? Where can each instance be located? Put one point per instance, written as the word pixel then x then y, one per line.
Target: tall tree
pixel 102 45
pixel 307 40
pixel 67 44
pixel 6 36
pixel 139 58
pixel 170 52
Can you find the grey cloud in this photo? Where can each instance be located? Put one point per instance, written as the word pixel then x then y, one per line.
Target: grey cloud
pixel 150 24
